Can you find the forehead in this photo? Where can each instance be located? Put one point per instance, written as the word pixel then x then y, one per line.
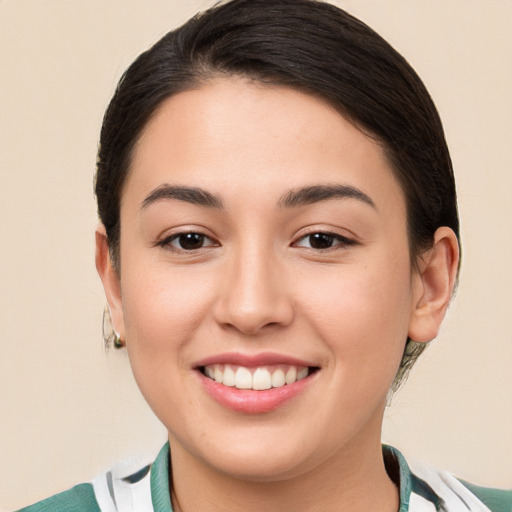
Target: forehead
pixel 232 134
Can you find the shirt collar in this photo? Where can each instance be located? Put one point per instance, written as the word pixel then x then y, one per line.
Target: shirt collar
pixel 160 492
pixel 396 465
pixel 399 471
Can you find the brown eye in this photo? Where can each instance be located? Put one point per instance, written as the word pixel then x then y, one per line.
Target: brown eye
pixel 322 241
pixel 190 241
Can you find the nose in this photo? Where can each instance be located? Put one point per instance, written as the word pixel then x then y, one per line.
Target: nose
pixel 254 295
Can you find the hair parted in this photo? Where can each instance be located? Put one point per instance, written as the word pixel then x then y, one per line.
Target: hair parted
pixel 311 46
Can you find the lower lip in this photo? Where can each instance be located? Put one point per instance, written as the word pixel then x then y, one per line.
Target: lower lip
pixel 250 401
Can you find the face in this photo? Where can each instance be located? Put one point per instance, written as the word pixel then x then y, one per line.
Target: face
pixel 265 290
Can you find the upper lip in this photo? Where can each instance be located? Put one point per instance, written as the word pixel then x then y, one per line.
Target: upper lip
pixel 252 360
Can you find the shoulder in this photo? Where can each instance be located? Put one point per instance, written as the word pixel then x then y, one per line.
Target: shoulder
pixel 454 493
pixel 127 486
pixel 425 488
pixel 497 500
pixel 79 499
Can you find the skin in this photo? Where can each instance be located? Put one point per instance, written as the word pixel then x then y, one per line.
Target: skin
pixel 257 285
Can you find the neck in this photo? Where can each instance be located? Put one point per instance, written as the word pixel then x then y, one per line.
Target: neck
pixel 354 479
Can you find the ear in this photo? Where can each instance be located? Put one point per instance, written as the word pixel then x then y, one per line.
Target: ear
pixel 111 282
pixel 433 285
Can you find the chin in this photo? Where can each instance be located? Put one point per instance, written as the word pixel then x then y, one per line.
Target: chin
pixel 262 467
pixel 259 456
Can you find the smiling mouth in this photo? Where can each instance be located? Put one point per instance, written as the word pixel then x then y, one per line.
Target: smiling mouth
pixel 256 378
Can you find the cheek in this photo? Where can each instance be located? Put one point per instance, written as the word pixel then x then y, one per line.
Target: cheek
pixel 163 311
pixel 362 314
pixel 163 307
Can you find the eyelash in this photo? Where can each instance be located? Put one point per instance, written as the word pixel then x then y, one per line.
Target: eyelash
pixel 335 240
pixel 167 242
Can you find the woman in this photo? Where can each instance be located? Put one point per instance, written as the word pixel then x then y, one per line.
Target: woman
pixel 278 241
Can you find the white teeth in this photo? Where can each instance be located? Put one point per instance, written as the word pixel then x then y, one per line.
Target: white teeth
pixel 218 374
pixel 261 379
pixel 278 379
pixel 229 376
pixel 243 378
pixel 258 378
pixel 291 375
pixel 302 373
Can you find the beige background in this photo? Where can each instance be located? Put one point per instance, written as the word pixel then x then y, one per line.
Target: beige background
pixel 68 410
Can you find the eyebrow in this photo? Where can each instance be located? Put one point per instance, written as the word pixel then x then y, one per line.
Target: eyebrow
pixel 316 193
pixel 191 195
pixel 292 199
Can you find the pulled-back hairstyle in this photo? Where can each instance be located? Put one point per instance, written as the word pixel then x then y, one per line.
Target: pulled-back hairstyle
pixel 310 46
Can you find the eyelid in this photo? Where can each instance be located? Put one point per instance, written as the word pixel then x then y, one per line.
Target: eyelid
pixel 166 240
pixel 344 240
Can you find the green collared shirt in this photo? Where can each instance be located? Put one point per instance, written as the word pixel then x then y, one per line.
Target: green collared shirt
pixel 421 490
